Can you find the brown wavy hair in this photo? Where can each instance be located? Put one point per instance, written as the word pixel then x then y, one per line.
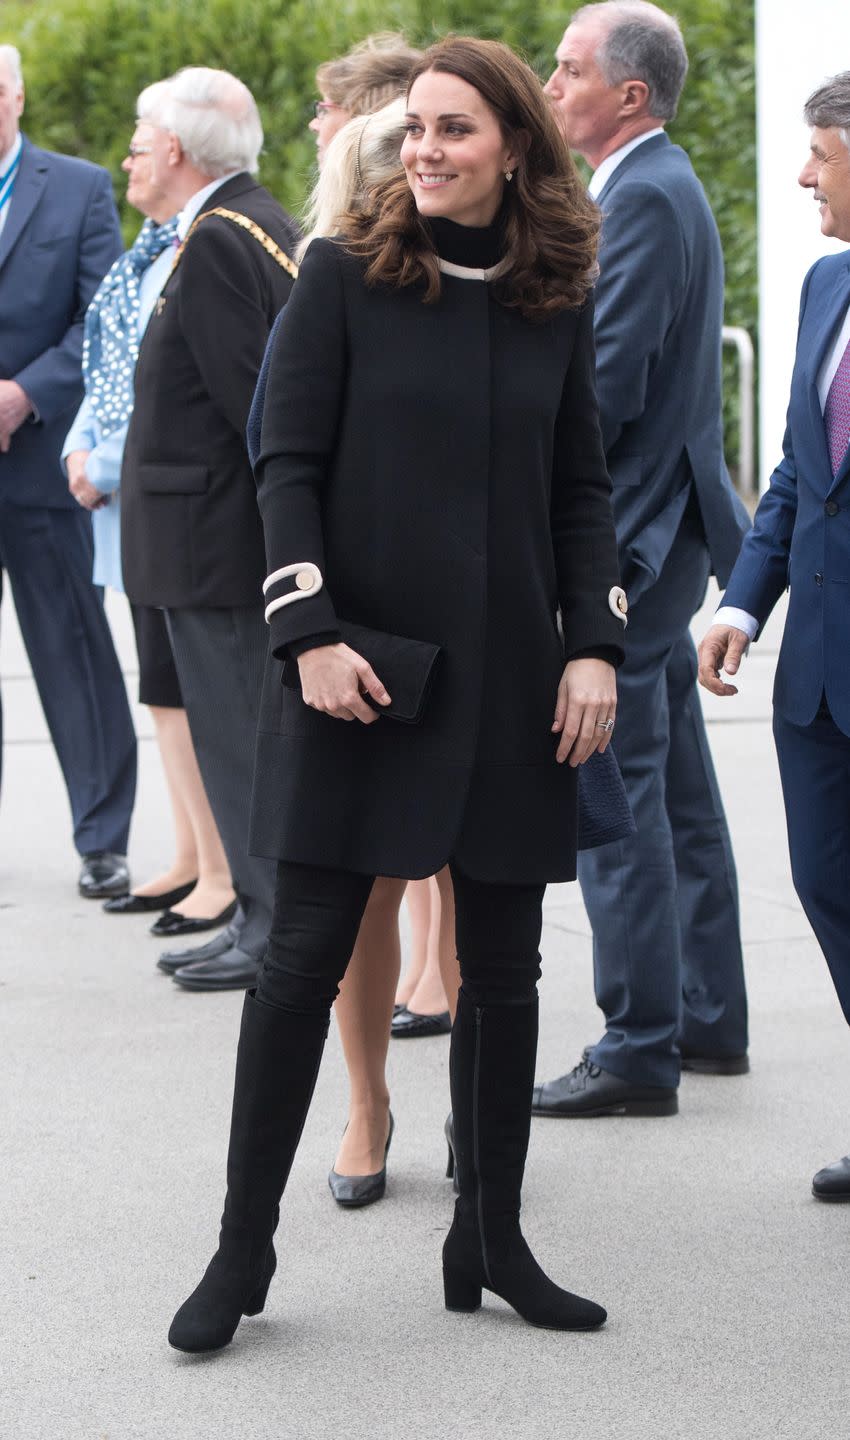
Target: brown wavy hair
pixel 551 226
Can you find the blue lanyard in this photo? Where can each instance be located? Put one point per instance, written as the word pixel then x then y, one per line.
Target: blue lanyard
pixel 7 181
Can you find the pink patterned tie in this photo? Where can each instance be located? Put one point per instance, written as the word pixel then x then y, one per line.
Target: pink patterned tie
pixel 836 412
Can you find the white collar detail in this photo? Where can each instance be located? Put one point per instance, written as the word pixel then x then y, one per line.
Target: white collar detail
pixel 469 272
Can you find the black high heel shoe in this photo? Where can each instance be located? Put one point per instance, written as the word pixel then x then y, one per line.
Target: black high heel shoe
pixel 352 1192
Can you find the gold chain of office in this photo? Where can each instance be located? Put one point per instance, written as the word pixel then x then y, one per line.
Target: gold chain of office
pixel 244 223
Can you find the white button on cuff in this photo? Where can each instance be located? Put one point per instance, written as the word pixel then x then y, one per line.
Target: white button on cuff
pixel 618 603
pixel 308 581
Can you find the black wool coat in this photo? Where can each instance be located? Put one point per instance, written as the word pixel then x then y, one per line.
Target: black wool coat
pixel 442 467
pixel 190 528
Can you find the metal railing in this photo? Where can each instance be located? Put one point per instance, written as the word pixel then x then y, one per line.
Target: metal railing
pixel 740 339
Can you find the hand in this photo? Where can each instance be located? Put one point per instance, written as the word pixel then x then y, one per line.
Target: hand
pixel 334 678
pixel 82 489
pixel 587 695
pixel 15 406
pixel 722 648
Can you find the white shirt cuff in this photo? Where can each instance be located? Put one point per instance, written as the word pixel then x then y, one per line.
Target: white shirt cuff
pixel 741 619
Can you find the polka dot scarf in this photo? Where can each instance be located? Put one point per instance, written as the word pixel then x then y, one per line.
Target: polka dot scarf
pixel 111 335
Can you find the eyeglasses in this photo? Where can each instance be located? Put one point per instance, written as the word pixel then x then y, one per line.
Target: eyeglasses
pixel 134 150
pixel 322 107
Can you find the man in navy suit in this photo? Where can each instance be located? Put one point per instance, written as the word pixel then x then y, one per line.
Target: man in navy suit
pixel 663 904
pixel 801 540
pixel 59 234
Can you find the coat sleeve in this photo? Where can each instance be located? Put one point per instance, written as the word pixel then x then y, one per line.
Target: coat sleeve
pixel 300 419
pixel 760 574
pixel 224 315
pixel 52 381
pixel 582 521
pixel 642 282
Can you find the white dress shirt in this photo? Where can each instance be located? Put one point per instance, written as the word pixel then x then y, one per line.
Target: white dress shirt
pixel 730 614
pixel 600 177
pixel 6 161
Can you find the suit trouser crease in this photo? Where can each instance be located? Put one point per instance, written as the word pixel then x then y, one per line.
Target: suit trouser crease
pixel 220 656
pixel 48 554
pixel 814 766
pixel 663 903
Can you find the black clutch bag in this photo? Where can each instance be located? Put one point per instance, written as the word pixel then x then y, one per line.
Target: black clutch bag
pixel 406 667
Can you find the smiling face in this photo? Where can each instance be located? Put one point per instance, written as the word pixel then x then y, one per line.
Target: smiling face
pixel 11 107
pixel 454 153
pixel 827 174
pixel 329 118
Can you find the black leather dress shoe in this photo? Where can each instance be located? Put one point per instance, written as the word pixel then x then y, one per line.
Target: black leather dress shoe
pixel 589 1090
pixel 234 970
pixel 833 1182
pixel 171 924
pixel 352 1192
pixel 103 875
pixel 171 960
pixel 131 904
pixel 407 1025
pixel 715 1064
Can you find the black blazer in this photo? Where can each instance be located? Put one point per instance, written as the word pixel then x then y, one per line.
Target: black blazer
pixel 441 466
pixel 190 528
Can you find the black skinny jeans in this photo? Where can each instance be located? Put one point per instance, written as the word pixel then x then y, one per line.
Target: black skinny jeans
pixel 317 915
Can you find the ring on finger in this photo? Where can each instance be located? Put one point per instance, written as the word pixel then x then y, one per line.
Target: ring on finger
pixel 606 725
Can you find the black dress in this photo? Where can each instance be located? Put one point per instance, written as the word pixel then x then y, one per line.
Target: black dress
pixel 441 466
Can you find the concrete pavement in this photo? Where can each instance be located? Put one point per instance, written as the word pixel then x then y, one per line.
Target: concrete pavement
pixel 725 1282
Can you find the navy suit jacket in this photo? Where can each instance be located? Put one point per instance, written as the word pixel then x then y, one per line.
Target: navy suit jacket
pixel 659 315
pixel 61 236
pixel 801 535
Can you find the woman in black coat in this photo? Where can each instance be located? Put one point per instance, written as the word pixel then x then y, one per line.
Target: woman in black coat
pixel 433 492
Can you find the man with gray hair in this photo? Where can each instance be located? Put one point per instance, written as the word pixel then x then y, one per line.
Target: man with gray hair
pixel 59 234
pixel 192 541
pixel 663 904
pixel 801 540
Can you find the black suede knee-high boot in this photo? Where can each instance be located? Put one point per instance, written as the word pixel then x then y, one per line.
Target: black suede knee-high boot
pixel 493 1054
pixel 276 1067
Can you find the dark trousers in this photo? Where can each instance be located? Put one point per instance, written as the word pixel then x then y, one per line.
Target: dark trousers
pixel 814 764
pixel 663 903
pixel 317 915
pixel 48 556
pixel 220 657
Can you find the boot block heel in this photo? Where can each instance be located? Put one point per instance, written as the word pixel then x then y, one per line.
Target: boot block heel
pixel 461 1291
pixel 257 1301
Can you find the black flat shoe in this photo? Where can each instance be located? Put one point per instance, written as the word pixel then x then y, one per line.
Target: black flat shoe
pixel 407 1025
pixel 103 875
pixel 131 904
pixel 171 924
pixel 833 1182
pixel 352 1192
pixel 589 1090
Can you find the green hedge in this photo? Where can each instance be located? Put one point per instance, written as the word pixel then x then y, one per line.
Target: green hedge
pixel 86 60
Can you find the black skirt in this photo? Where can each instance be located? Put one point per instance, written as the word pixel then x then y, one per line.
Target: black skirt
pixel 158 682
